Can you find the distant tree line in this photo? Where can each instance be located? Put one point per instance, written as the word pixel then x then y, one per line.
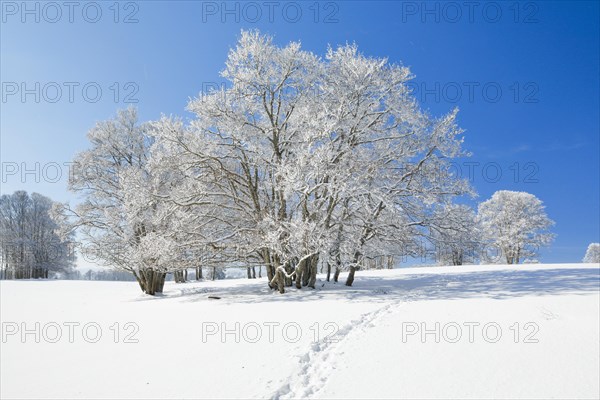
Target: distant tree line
pixel 31 243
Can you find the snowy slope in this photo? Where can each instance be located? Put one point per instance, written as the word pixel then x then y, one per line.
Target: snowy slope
pixel 377 351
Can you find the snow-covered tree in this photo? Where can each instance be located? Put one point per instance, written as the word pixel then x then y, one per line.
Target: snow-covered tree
pixel 122 220
pixel 302 159
pixel 454 234
pixel 205 218
pixel 516 223
pixel 592 255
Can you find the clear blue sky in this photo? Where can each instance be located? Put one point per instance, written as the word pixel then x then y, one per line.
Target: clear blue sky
pixel 524 74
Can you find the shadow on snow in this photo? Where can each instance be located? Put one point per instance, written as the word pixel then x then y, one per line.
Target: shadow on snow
pixel 431 286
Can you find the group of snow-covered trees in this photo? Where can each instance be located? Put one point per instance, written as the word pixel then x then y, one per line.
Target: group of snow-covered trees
pixel 301 161
pixel 31 246
pixel 509 227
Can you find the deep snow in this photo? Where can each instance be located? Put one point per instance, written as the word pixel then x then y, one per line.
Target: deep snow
pixel 526 331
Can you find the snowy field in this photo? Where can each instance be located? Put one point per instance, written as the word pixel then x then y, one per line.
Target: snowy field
pixel 526 331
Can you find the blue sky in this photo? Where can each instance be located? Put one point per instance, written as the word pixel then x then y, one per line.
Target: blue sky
pixel 525 76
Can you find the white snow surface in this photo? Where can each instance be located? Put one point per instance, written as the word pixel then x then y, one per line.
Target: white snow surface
pixel 375 351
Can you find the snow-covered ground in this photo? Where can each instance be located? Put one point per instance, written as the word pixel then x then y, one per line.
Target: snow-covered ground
pixel 527 331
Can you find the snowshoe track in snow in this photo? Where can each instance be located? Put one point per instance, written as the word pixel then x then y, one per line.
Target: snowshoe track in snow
pixel 317 363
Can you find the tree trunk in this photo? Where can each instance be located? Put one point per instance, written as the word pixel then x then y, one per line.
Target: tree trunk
pixel 139 278
pixel 177 277
pixel 270 271
pixel 338 267
pixel 300 272
pixel 328 271
pixel 268 264
pixel 159 282
pixel 198 273
pixel 253 272
pixel 180 276
pixel 279 280
pixel 336 275
pixel 275 263
pixel 289 270
pixel 306 272
pixel 150 281
pixel 314 261
pixel 350 279
pixel 248 273
pixel 280 273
